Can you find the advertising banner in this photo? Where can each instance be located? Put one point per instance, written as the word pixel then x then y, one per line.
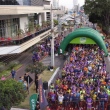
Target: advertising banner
pixel 43 101
pixel 33 101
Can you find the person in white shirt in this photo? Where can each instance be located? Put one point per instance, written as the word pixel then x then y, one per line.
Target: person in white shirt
pixel 89 68
pixel 60 98
pixel 60 51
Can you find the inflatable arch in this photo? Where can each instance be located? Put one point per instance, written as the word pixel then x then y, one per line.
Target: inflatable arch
pixel 87 33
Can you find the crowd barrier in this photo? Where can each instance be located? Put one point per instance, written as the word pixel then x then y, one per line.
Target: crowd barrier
pixel 54 76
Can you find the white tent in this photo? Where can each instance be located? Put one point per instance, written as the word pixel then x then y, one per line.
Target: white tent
pixel 69 19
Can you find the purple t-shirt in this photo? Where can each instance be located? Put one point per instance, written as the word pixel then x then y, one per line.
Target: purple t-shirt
pixel 89 102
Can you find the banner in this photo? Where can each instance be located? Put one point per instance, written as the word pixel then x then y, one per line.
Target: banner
pixel 43 101
pixel 33 101
pixel 82 40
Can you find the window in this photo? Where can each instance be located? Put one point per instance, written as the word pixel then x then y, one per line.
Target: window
pixel 15 2
pixel 2 28
pixel 9 27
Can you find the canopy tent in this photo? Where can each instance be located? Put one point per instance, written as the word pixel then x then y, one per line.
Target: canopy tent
pixel 84 32
pixel 66 16
pixel 69 19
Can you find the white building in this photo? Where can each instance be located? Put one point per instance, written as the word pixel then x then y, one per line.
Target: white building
pixel 76 8
pixel 75 5
pixel 17 15
pixel 55 3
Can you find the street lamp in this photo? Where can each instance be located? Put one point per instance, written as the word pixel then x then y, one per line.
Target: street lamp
pixel 52 40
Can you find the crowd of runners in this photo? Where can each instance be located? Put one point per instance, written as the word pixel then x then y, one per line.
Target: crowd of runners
pixel 85 84
pixel 44 48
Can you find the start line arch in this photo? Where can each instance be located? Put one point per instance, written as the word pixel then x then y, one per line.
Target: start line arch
pixel 84 34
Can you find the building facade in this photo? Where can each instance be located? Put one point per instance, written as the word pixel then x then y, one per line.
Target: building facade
pixel 55 4
pixel 25 2
pixel 75 4
pixel 16 15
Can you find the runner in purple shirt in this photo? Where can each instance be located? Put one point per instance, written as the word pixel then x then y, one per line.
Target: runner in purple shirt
pixel 89 103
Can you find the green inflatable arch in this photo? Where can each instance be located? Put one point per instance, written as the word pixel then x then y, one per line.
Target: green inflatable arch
pixel 84 32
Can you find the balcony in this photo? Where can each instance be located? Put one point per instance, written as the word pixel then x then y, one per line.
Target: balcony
pixel 21 40
pixel 15 46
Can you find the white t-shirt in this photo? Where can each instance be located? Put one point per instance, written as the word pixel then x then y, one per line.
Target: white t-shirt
pixel 60 50
pixel 60 98
pixel 88 62
pixel 89 68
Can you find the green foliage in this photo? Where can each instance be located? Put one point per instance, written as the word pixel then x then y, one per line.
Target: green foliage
pixel 20 32
pixel 93 18
pixel 48 23
pixel 2 66
pixel 12 64
pixel 11 93
pixel 37 68
pixel 44 23
pixel 30 27
pixel 99 12
pixel 37 27
pixel 6 69
pixel 55 22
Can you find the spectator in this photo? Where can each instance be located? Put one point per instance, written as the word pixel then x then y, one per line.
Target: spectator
pixel 20 80
pixel 13 73
pixel 25 76
pixel 3 78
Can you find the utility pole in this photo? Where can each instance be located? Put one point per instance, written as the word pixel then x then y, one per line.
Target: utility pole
pixel 59 25
pixel 52 40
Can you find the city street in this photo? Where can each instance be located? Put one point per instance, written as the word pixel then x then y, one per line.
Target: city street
pixel 55 55
pixel 25 60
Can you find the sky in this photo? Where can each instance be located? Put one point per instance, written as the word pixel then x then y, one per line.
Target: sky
pixel 69 3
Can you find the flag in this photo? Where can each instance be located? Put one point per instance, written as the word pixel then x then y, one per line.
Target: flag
pixel 42 99
pixel 33 101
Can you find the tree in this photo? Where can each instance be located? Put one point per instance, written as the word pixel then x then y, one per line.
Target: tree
pixel 93 18
pixel 11 93
pixel 37 27
pixel 100 10
pixel 30 27
pixel 37 68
